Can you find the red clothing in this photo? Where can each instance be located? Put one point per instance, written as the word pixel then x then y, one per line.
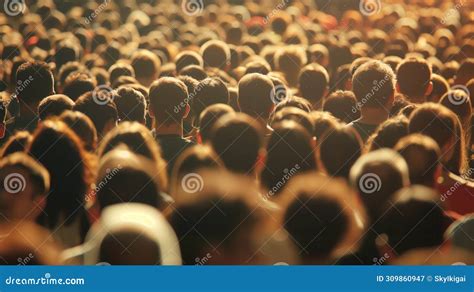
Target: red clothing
pixel 457 194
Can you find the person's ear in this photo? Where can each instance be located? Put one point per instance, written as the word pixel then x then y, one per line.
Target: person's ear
pixel 429 89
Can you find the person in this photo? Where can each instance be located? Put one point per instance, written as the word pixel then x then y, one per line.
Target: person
pixel 56 147
pixel 128 234
pixel 388 133
pixel 35 81
pixel 16 143
pixel 313 84
pixel 165 94
pixel 293 114
pixel 460 233
pixel 422 155
pixel 414 79
pixel 324 222
pixel 373 84
pixel 215 54
pixel 238 141
pixel 342 105
pixel 103 114
pixel 78 83
pixel 208 118
pixel 24 189
pixel 83 127
pixel 146 66
pixel 54 105
pixel 255 96
pixel 440 87
pixel 290 60
pixel 131 105
pixel 208 92
pixel 290 150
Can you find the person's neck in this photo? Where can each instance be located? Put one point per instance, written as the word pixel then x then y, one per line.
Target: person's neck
pixel 168 129
pixel 373 116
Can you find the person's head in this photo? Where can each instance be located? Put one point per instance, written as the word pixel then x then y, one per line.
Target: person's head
pixel 440 87
pixel 289 150
pixel 103 113
pixel 218 217
pixel 465 72
pixel 25 185
pixel 131 105
pixel 461 233
pixel 256 94
pixel 124 176
pixel 373 84
pixel 34 81
pixel 77 84
pixel 342 105
pixel 59 149
pixel 441 124
pixel 16 143
pixel 338 150
pixel 415 220
pixel 313 84
pixel 290 60
pixel 323 217
pixel 209 117
pixel 293 114
pixel 208 92
pixel 168 101
pixel 414 79
pixel 132 234
pixel 188 58
pixel 323 122
pixel 238 140
pixel 377 176
pixel 422 156
pixel 120 69
pixel 54 105
pixel 146 66
pixel 83 126
pixel 139 140
pixel 388 133
pixel 216 54
pixel 459 102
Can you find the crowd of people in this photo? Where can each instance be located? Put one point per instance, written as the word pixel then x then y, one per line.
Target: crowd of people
pixel 237 132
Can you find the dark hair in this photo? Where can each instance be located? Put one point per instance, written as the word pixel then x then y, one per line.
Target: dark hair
pixel 120 69
pixel 131 104
pixel 35 80
pixel 388 133
pixel 99 112
pixel 146 65
pixel 255 95
pixel 237 140
pixel 342 105
pixel 83 126
pixel 209 117
pixel 440 87
pixel 187 58
pixel 16 143
pixel 195 71
pixel 54 105
pixel 413 77
pixel 294 114
pixel 168 100
pixel 215 54
pixel 339 149
pixel 313 83
pixel 77 84
pixel 208 92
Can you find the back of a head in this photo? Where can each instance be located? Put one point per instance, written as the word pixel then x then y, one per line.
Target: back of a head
pixel 215 54
pixel 187 58
pixel 36 82
pixel 313 83
pixel 339 149
pixel 422 155
pixel 289 149
pixel 208 92
pixel 415 220
pixel 78 83
pixel 256 94
pixel 54 105
pixel 132 234
pixel 414 77
pixel 237 140
pixel 83 126
pixel 294 114
pixel 146 66
pixel 377 176
pixel 388 133
pixel 168 100
pixel 131 104
pixel 459 102
pixel 373 84
pixel 290 60
pixel 103 113
pixel 18 142
pixel 440 87
pixel 461 232
pixel 209 117
pixel 324 222
pixel 342 105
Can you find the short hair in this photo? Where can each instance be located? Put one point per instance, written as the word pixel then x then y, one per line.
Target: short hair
pixel 313 82
pixel 69 68
pixel 208 118
pixel 37 173
pixel 422 155
pixel 54 105
pixel 322 122
pixel 294 114
pixel 255 95
pixel 465 71
pixel 99 113
pixel 342 105
pixel 377 175
pixel 77 84
pixel 215 54
pixel 194 71
pixel 168 99
pixel 413 77
pixel 339 149
pixel 459 102
pixel 373 84
pixel 187 58
pixel 208 92
pixel 131 104
pixel 120 69
pixel 146 64
pixel 440 87
pixel 415 220
pixel 35 80
pixel 388 133
pixel 83 126
pixel 237 140
pixel 18 142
